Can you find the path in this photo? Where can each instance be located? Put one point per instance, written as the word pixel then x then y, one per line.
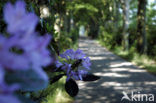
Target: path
pixel 117 75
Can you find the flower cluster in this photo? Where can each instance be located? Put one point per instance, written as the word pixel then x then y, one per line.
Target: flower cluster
pixel 74 59
pixel 23 49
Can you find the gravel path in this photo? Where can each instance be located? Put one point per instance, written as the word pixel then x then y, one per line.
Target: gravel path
pixel 117 76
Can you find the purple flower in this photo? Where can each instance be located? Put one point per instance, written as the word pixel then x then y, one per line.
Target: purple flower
pixel 6 93
pixel 75 74
pixel 66 67
pixel 8 89
pixel 79 54
pixel 71 54
pixel 1 74
pixel 5 98
pixel 8 59
pixel 86 63
pixel 18 20
pixel 23 49
pixel 68 54
pixel 81 73
pixel 78 58
pixel 35 54
pixel 58 64
pixel 36 51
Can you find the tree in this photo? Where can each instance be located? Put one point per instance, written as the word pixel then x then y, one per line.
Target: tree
pixel 125 7
pixel 141 31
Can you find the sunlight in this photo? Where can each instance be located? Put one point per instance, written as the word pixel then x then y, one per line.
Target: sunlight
pixel 97 58
pixel 118 69
pixel 112 75
pixel 150 83
pixel 121 64
pixel 44 11
pixel 137 70
pixel 60 97
pixel 108 84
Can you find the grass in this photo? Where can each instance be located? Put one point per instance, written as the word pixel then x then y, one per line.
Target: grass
pixel 56 93
pixel 143 61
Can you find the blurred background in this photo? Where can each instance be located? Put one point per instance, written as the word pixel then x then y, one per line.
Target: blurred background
pixel 125 27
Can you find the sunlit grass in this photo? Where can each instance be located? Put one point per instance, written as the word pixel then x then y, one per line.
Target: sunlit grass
pixel 143 61
pixel 56 93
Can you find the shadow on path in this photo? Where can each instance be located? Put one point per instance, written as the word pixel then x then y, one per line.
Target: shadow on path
pixel 117 75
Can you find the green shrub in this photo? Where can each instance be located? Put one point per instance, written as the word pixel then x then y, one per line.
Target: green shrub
pixel 107 39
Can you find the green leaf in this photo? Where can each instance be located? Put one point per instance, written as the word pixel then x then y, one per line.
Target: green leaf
pixel 90 77
pixel 56 78
pixel 71 88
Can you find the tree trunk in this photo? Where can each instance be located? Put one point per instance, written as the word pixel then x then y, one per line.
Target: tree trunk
pixel 116 14
pixel 125 6
pixel 141 32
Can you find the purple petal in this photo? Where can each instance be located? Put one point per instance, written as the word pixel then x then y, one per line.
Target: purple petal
pixel 20 7
pixel 79 54
pixel 68 54
pixel 5 98
pixel 8 89
pixel 58 64
pixel 42 74
pixel 26 24
pixel 13 61
pixel 18 19
pixel 86 63
pixel 8 12
pixel 1 74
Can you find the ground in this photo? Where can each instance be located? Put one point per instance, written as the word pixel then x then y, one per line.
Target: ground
pixel 117 76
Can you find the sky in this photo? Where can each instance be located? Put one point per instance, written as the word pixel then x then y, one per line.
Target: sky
pixel 151 1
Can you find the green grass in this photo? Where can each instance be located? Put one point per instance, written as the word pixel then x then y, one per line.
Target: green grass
pixel 143 61
pixel 56 93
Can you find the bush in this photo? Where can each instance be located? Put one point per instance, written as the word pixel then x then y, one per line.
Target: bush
pixel 107 39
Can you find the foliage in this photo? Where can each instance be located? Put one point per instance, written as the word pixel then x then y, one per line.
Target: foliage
pixel 112 37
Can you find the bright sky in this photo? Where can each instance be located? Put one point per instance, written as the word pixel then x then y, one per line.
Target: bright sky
pixel 151 1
